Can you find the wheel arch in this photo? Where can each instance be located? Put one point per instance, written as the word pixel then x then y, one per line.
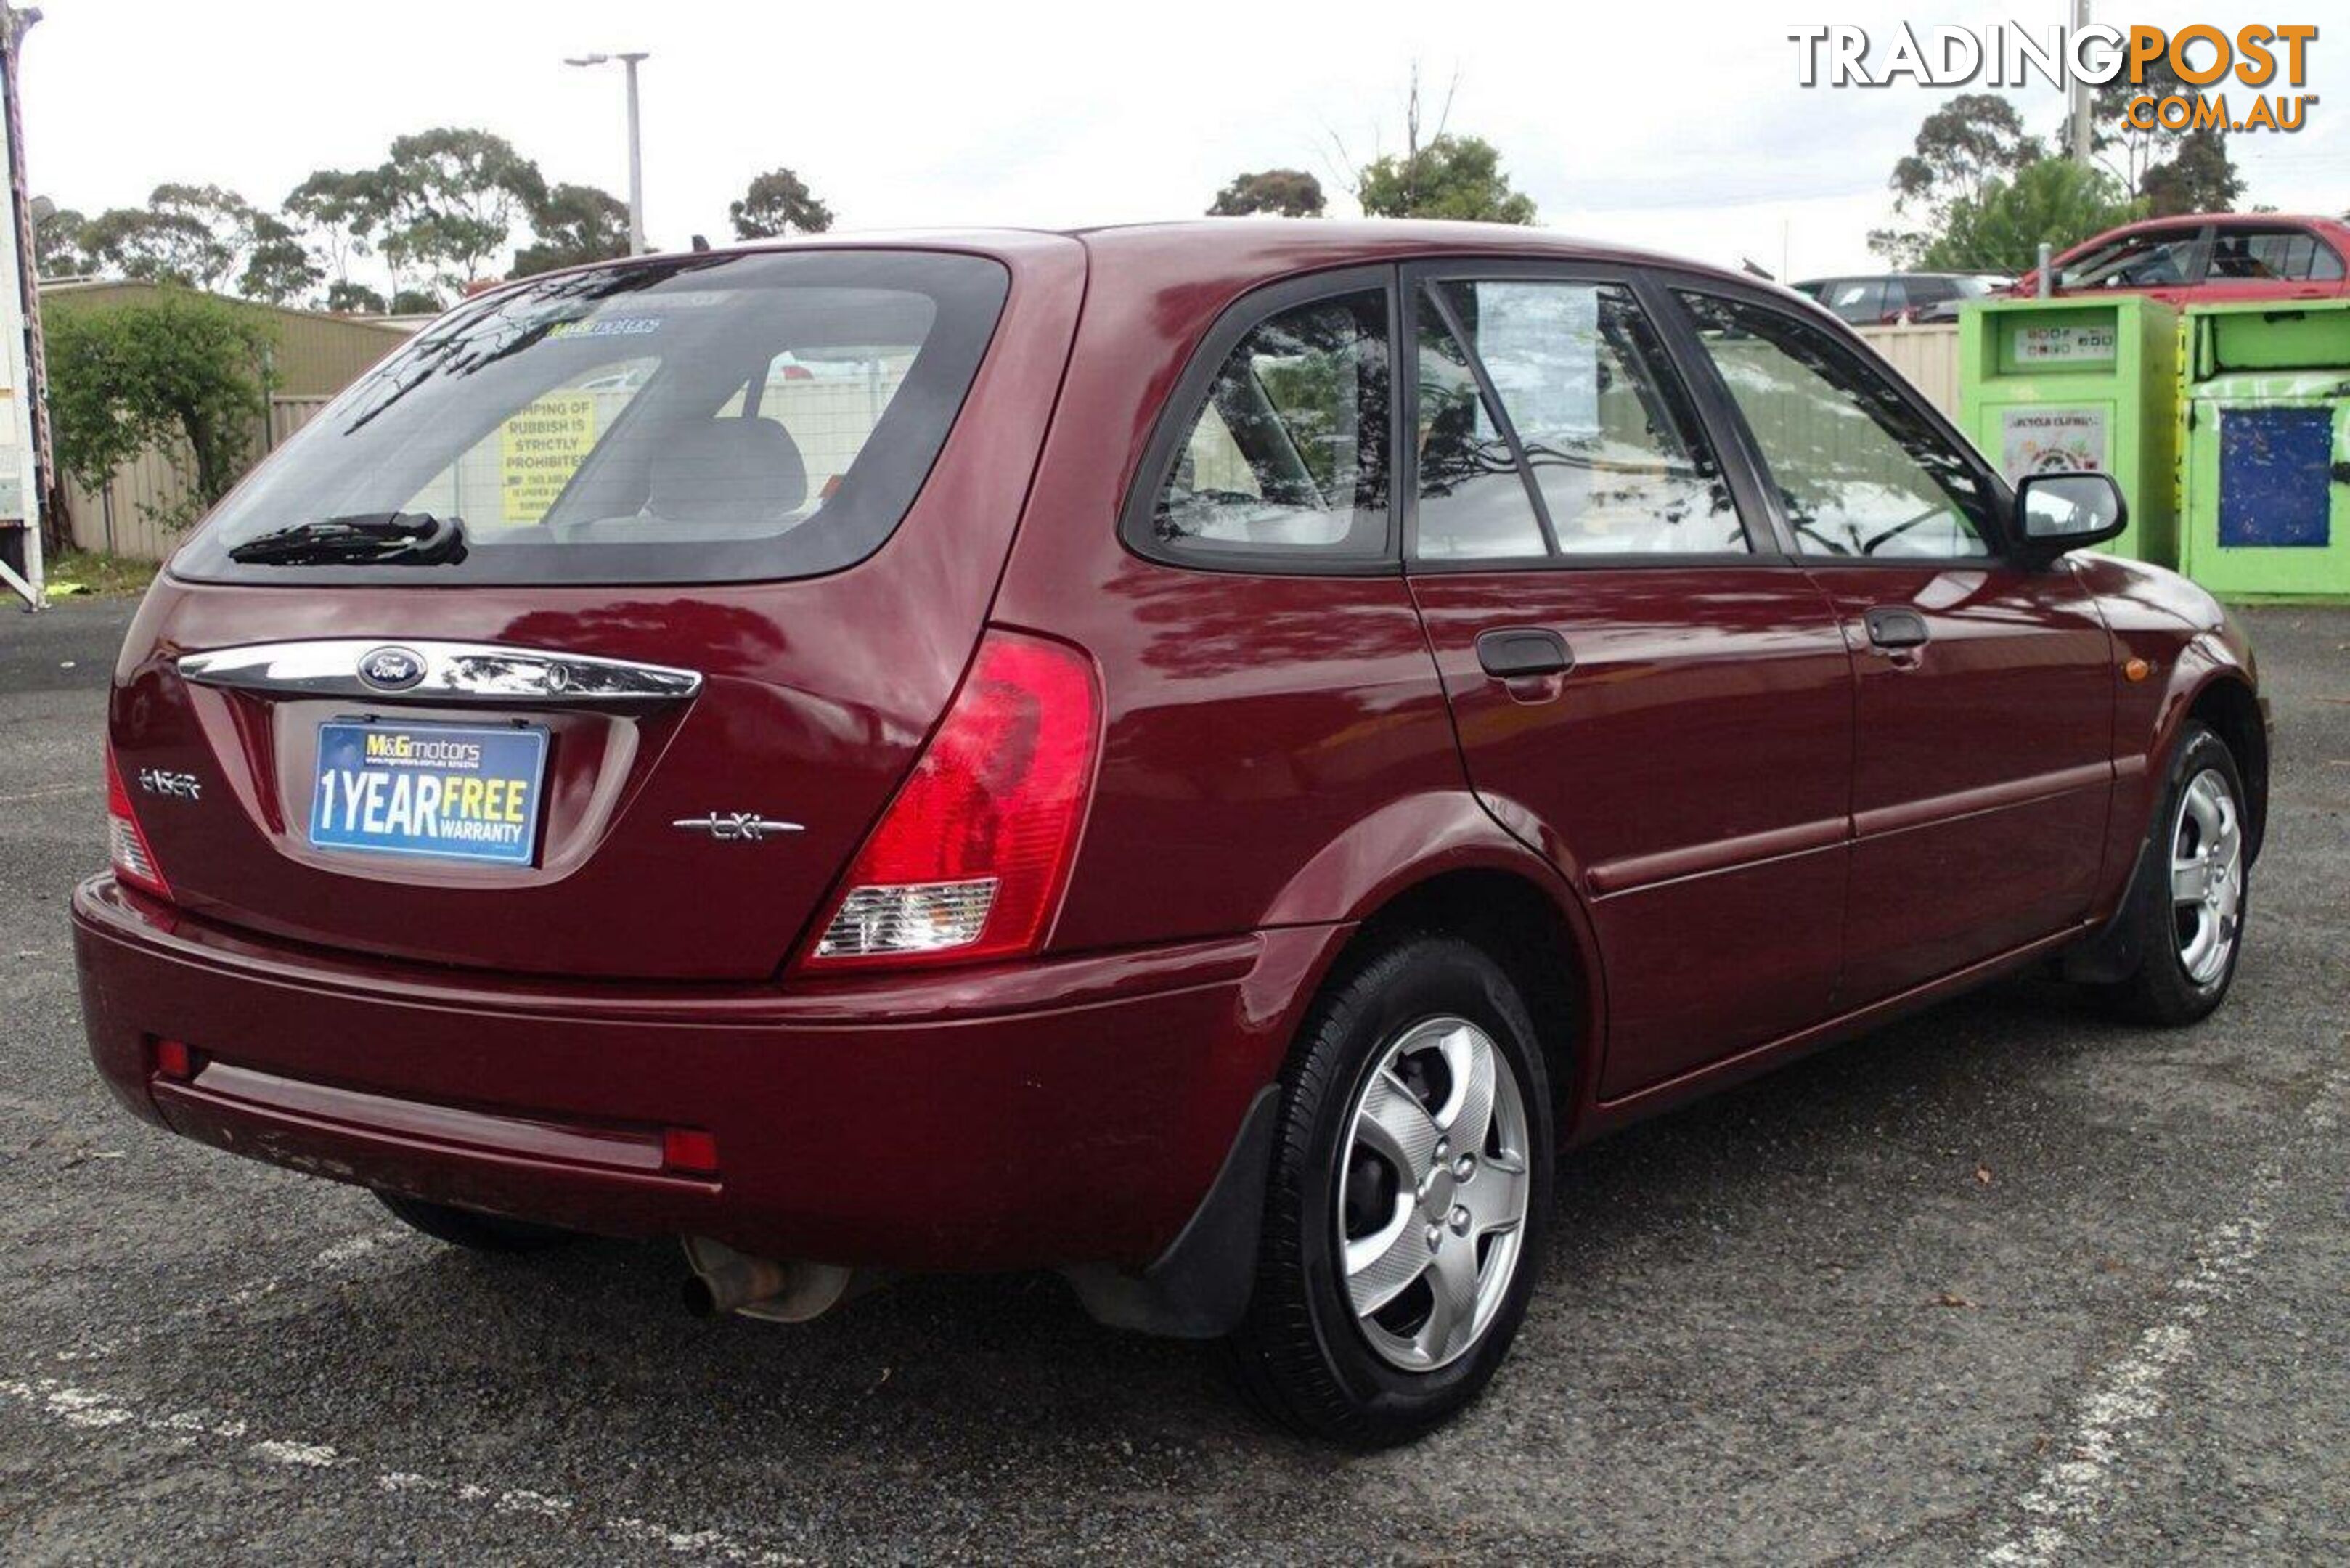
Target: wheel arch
pixel 1467 880
pixel 1440 863
pixel 2226 703
pixel 1527 930
pixel 2221 696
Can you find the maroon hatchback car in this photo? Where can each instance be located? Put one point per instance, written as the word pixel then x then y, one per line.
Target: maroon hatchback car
pixel 1195 756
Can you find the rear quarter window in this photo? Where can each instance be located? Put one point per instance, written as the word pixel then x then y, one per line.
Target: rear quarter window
pixel 1281 459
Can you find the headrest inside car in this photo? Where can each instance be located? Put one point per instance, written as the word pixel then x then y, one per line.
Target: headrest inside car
pixel 728 470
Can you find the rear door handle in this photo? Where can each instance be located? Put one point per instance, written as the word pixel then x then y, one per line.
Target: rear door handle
pixel 1894 626
pixel 1516 653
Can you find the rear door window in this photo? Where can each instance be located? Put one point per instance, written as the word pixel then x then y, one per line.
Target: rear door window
pixel 1620 464
pixel 2278 255
pixel 1473 498
pixel 1859 299
pixel 694 419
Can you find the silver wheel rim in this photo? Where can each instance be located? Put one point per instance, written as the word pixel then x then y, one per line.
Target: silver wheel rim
pixel 1432 1186
pixel 2207 876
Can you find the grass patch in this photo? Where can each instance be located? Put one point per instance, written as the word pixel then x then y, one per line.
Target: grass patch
pixel 76 573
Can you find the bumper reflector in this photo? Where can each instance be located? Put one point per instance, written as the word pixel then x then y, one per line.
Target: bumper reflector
pixel 690 1150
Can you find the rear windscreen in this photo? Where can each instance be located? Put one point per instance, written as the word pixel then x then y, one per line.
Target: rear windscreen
pixel 694 419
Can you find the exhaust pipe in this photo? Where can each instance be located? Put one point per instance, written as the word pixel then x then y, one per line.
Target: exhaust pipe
pixel 726 1281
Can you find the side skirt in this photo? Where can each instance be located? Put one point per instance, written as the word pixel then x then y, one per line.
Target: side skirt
pixel 1607 1116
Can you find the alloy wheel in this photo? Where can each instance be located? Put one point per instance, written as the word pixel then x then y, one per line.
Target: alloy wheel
pixel 1433 1186
pixel 2207 876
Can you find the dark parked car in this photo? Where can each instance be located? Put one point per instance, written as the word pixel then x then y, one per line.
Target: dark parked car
pixel 2209 259
pixel 1963 288
pixel 1884 299
pixel 1198 756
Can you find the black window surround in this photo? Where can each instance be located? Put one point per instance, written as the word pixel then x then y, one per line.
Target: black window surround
pixel 1734 448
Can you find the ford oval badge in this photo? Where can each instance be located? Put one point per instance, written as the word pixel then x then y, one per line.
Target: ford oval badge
pixel 392 668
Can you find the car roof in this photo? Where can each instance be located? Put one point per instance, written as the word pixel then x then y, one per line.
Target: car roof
pixel 2332 228
pixel 1858 276
pixel 1196 268
pixel 2218 220
pixel 1215 240
pixel 1211 256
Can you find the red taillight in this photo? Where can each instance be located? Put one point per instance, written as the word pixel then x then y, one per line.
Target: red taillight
pixel 133 862
pixel 970 859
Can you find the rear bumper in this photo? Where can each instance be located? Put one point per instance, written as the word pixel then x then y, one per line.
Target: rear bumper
pixel 1069 1112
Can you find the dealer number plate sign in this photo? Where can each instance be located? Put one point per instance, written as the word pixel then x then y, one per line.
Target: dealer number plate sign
pixel 447 790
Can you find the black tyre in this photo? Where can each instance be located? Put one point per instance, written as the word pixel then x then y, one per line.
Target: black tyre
pixel 2187 910
pixel 1409 1198
pixel 470 1228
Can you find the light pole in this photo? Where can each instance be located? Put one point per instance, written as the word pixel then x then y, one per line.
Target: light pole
pixel 636 145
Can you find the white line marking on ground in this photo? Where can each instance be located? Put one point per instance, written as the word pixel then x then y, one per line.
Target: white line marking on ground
pixel 50 793
pixel 75 1407
pixel 2072 1485
pixel 107 1415
pixel 318 1456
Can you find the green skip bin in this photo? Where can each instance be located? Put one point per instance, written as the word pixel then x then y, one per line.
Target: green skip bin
pixel 2266 491
pixel 2067 384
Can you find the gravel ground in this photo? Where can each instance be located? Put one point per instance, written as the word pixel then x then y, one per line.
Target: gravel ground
pixel 2007 1282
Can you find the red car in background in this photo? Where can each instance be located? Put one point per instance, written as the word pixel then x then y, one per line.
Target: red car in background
pixel 1199 756
pixel 2209 259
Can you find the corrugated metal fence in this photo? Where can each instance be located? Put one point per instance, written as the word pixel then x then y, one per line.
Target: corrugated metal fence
pixel 129 518
pixel 135 514
pixel 1928 356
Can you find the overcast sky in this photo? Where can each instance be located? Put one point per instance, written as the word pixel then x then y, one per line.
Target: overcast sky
pixel 1671 124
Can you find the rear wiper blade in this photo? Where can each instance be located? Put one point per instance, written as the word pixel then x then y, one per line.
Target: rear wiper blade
pixel 360 539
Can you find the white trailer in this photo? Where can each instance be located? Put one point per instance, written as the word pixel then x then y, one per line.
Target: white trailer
pixel 25 462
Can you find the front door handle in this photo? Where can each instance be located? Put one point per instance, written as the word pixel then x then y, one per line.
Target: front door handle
pixel 1521 652
pixel 1894 626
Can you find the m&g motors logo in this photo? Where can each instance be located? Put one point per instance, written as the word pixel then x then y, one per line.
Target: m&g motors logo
pixel 2262 56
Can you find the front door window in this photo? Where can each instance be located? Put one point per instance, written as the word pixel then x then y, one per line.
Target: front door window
pixel 1860 471
pixel 2164 260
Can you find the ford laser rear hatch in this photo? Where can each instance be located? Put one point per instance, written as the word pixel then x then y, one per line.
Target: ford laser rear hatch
pixel 570 639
